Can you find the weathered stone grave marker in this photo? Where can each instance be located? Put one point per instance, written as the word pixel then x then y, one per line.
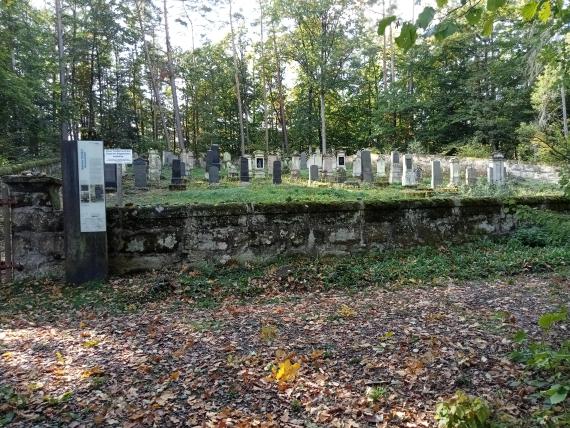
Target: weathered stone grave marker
pixel 277 172
pixel 244 170
pixel 454 177
pixel 140 171
pixel 366 160
pixel 313 173
pixel 395 168
pixel 436 175
pixel 408 176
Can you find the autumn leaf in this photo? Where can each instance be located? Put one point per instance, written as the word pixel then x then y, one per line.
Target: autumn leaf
pixel 268 333
pixel 94 371
pixel 346 311
pixel 286 371
pixel 174 375
pixel 91 343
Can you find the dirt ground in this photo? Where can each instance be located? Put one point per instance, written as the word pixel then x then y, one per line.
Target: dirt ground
pixel 167 363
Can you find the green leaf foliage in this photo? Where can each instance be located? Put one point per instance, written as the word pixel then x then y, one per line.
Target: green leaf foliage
pixel 425 17
pixel 441 3
pixel 544 12
pixel 473 15
pixel 494 5
pixel 445 29
pixel 547 320
pixel 462 410
pixel 488 26
pixel 384 23
pixel 557 393
pixel 407 37
pixel 528 11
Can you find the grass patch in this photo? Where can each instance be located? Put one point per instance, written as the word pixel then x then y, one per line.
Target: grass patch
pixel 262 191
pixel 541 244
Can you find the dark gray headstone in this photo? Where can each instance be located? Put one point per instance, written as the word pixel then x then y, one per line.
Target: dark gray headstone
pixel 140 171
pixel 209 159
pixel 243 170
pixel 408 163
pixel 303 160
pixel 366 160
pixel 110 176
pixel 183 169
pixel 418 172
pixel 215 155
pixel 341 175
pixel 176 172
pixel 314 173
pixel 213 175
pixel 277 172
pixel 395 157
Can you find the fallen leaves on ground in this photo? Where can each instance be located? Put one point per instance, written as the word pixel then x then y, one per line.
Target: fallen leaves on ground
pixel 167 363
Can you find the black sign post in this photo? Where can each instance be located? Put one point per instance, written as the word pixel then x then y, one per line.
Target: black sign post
pixel 85 230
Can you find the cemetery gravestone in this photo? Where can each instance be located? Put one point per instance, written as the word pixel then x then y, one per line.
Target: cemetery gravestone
pixel 259 164
pixel 408 176
pixel 357 168
pixel 341 175
pixel 277 172
pixel 214 175
pixel 366 166
pixel 140 171
pixel 454 179
pixel 303 161
pixel 177 182
pixel 381 167
pixel 209 163
pixel 182 169
pixel 176 172
pixel 215 148
pixel 270 160
pixel 470 176
pixel 328 164
pixel 436 175
pixel 110 172
pixel 497 169
pixel 154 166
pixel 244 171
pixel 396 168
pixel 341 159
pixel 313 173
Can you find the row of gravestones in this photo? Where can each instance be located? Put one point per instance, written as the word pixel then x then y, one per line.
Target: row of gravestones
pixel 404 173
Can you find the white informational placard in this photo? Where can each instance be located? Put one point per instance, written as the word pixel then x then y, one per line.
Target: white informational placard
pixel 91 186
pixel 119 156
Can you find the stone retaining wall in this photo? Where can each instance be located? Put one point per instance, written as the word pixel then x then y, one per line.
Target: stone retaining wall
pixel 150 238
pixel 155 237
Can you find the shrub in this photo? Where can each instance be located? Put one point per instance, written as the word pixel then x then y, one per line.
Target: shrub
pixel 463 411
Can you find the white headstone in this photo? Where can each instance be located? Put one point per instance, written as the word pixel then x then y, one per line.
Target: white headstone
pixel 381 167
pixel 357 167
pixel 408 175
pixel 454 174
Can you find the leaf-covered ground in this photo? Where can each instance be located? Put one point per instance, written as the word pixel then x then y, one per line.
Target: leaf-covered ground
pixel 375 357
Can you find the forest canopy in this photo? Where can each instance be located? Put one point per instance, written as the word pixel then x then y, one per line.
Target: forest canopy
pixel 467 77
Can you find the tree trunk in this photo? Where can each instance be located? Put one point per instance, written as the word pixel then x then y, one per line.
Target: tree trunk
pixel 323 123
pixel 263 82
pixel 236 76
pixel 152 78
pixel 177 122
pixel 64 130
pixel 564 114
pixel 280 93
